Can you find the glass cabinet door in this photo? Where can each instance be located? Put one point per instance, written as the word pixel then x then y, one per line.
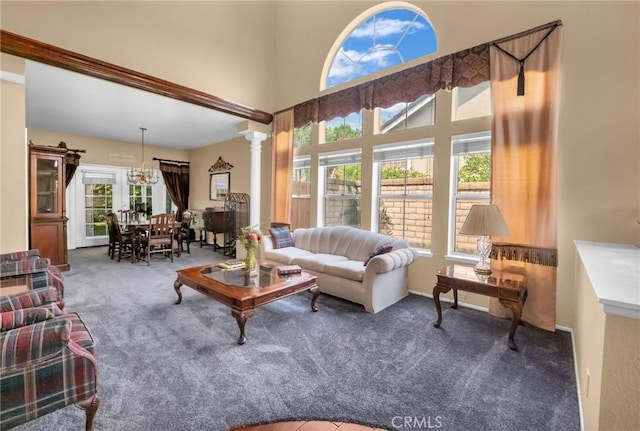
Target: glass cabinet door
pixel 47 193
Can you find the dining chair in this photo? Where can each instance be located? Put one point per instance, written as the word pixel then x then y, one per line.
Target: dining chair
pixel 109 221
pixel 159 237
pixel 183 234
pixel 124 242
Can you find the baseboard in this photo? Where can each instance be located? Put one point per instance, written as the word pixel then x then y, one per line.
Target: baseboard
pixel 575 371
pixel 558 327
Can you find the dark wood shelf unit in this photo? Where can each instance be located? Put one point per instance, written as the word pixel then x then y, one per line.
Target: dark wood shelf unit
pixel 47 214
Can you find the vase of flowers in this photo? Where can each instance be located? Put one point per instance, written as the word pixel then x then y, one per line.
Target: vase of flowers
pixel 251 238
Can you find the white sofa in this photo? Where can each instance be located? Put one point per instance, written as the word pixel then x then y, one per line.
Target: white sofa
pixel 337 255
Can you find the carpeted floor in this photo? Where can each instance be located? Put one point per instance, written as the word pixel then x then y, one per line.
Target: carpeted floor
pixel 178 367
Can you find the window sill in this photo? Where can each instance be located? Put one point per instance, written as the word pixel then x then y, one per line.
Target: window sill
pixel 423 252
pixel 462 258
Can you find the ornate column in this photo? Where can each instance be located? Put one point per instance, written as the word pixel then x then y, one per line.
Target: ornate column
pixel 256 139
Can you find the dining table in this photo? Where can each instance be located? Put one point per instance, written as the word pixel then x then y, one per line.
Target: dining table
pixel 140 229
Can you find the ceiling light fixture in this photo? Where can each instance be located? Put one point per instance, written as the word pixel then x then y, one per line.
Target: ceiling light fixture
pixel 142 175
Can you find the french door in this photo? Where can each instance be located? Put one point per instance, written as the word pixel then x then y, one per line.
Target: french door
pixel 97 190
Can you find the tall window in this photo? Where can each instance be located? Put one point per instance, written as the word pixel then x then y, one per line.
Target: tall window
pixel 341 188
pixel 301 193
pixel 405 191
pixel 399 141
pixel 470 184
pixel 382 40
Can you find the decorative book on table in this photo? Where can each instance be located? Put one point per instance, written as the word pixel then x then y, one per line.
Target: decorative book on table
pixel 231 264
pixel 289 270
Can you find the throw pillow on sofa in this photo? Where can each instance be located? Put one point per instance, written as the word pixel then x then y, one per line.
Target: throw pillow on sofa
pixel 281 237
pixel 381 249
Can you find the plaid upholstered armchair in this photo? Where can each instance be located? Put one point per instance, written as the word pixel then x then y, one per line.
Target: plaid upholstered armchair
pixel 28 268
pixel 47 359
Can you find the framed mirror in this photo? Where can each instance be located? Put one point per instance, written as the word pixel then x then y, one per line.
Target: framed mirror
pixel 219 185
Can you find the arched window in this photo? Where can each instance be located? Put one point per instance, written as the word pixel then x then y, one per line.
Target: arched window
pixel 382 40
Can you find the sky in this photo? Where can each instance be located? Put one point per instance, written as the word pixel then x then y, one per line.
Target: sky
pixel 384 40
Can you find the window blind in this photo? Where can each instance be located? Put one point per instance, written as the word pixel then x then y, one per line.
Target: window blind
pixel 472 143
pixel 94 177
pixel 391 153
pixel 302 162
pixel 340 158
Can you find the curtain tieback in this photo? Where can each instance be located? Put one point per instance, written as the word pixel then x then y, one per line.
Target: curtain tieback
pixel 522 60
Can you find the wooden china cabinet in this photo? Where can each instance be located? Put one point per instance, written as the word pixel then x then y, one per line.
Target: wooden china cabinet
pixel 47 218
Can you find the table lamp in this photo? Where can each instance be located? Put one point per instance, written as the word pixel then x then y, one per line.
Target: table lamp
pixel 486 221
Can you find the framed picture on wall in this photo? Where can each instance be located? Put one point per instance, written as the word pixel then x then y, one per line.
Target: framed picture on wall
pixel 219 185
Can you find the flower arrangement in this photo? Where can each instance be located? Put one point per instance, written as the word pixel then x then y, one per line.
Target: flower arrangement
pixel 250 237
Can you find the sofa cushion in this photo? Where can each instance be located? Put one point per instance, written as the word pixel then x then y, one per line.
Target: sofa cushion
pixel 32 298
pixel 381 249
pixel 24 317
pixel 320 239
pixel 286 255
pixel 317 262
pixel 349 269
pixel 281 237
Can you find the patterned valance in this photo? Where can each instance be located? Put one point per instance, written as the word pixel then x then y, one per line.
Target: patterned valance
pixel 464 68
pixel 174 168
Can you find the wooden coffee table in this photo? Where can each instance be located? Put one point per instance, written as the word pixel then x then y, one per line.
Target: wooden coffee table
pixel 244 295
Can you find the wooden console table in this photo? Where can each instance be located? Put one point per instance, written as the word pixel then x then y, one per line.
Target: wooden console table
pixel 509 288
pixel 217 221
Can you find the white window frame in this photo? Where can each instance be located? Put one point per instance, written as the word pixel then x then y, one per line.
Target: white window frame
pixel 331 160
pixel 398 152
pixel 301 162
pixel 472 143
pixel 364 28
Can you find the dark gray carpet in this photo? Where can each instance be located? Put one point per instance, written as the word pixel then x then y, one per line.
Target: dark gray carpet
pixel 178 367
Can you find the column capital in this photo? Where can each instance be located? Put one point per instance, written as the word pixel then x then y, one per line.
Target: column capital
pixel 254 131
pixel 252 135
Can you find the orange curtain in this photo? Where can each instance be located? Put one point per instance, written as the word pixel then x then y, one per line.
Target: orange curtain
pixel 282 167
pixel 524 165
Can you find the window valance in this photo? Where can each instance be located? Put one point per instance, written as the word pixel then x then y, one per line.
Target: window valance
pixel 173 166
pixel 464 68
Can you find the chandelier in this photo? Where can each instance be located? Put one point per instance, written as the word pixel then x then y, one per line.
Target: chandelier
pixel 142 175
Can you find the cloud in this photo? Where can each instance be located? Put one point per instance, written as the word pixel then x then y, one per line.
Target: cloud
pixel 347 62
pixel 385 27
pixel 362 58
pixel 342 66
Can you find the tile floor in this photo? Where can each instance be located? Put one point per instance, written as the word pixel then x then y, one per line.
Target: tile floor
pixel 305 426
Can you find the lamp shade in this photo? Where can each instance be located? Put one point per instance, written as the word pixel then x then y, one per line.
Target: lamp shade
pixel 486 220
